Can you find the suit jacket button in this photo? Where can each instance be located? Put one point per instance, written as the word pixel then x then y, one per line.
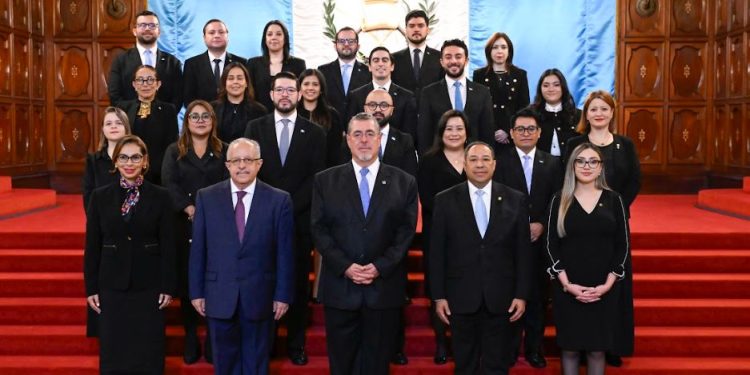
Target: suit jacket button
pixel 129 239
pixel 494 106
pixel 502 106
pixel 364 229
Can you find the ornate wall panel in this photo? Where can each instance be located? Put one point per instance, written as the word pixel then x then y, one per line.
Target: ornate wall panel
pixel 720 76
pixel 74 133
pixel 37 69
pixel 718 140
pixel 645 18
pixel 746 135
pixel 6 133
pixel 688 71
pixel 688 17
pixel 21 14
pixel 21 66
pixel 736 14
pixel 23 135
pixel 737 68
pixel 686 129
pixel 734 136
pixel 73 64
pixel 721 14
pixel 4 12
pixel 115 17
pixel 5 64
pixel 644 126
pixel 72 18
pixel 107 53
pixel 37 19
pixel 644 71
pixel 38 135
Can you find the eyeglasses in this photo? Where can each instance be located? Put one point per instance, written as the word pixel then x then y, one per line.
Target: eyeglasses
pixel 287 90
pixel 148 80
pixel 346 41
pixel 526 129
pixel 592 163
pixel 382 105
pixel 135 158
pixel 195 116
pixel 148 25
pixel 238 161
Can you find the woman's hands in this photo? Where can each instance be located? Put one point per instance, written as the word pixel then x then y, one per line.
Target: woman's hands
pixel 586 294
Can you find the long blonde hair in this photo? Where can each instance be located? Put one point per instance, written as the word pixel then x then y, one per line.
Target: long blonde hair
pixel 569 184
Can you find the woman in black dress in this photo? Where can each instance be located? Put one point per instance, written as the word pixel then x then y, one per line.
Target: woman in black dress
pixel 129 264
pixel 314 107
pixel 508 84
pixel 195 161
pixel 441 167
pixel 154 121
pixel 275 58
pixel 236 105
pixel 588 247
pixel 99 170
pixel 558 112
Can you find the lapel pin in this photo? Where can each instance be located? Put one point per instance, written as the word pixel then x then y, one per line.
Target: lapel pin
pixel 499 198
pixel 471 88
pixel 302 130
pixel 601 205
pixel 383 182
pixel 541 161
pixel 211 154
pixel 515 80
pixel 393 138
pixel 617 146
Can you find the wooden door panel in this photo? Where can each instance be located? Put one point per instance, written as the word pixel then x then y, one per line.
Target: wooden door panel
pixel 686 129
pixel 644 126
pixel 74 133
pixel 644 72
pixel 73 71
pixel 688 17
pixel 687 72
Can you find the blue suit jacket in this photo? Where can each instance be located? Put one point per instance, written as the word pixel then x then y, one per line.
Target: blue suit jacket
pixel 257 271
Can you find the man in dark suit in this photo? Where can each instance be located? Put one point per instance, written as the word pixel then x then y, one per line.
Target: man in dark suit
pixel 364 214
pixel 294 152
pixel 146 32
pixel 539 175
pixel 417 65
pixel 241 274
pixel 405 111
pixel 455 92
pixel 479 269
pixel 344 74
pixel 203 72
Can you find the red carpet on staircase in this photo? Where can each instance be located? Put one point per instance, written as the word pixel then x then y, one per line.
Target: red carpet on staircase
pixel 691 285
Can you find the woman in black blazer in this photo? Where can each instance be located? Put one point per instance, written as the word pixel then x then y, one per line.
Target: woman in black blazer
pixel 558 112
pixel 236 105
pixel 154 121
pixel 129 264
pixel 314 106
pixel 195 161
pixel 275 58
pixel 440 168
pixel 508 84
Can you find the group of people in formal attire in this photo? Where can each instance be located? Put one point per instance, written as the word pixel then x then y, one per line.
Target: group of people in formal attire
pixel 521 204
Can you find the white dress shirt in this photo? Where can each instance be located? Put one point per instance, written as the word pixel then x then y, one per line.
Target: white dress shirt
pixel 142 49
pixel 384 137
pixel 421 49
pixel 486 197
pixel 452 90
pixel 372 173
pixel 222 57
pixel 277 117
pixel 247 200
pixel 386 86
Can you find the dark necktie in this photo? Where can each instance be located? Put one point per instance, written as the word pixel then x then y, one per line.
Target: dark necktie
pixel 417 62
pixel 217 72
pixel 239 214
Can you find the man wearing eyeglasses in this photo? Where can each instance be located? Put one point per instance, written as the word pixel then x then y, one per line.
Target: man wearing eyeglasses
pixel 405 105
pixel 364 214
pixel 295 150
pixel 538 174
pixel 344 74
pixel 146 52
pixel 241 267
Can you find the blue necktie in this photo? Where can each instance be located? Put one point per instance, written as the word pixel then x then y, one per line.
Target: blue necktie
pixel 364 190
pixel 147 56
pixel 527 171
pixel 480 213
pixel 284 140
pixel 458 102
pixel 345 76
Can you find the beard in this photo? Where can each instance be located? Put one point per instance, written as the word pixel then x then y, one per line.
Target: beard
pixel 284 110
pixel 417 41
pixel 384 121
pixel 344 55
pixel 146 40
pixel 458 75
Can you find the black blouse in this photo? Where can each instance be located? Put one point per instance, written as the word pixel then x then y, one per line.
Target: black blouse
pixel 232 119
pixel 562 123
pixel 334 135
pixel 97 174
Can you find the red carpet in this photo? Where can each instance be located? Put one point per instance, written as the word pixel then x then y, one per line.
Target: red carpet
pixel 692 306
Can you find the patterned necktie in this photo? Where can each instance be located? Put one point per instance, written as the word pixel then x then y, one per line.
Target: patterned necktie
pixel 527 172
pixel 480 213
pixel 284 140
pixel 345 77
pixel 416 63
pixel 364 190
pixel 239 214
pixel 217 72
pixel 458 102
pixel 147 55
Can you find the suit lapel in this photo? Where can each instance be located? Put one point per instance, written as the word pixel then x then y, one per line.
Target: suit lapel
pixel 536 170
pixel 469 95
pixel 258 212
pixel 352 190
pixel 444 96
pixel 379 190
pixel 337 77
pixel 466 208
pixel 299 139
pixel 271 148
pixel 496 205
pixel 516 168
pixel 390 142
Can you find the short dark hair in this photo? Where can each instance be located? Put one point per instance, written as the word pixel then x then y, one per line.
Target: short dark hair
pixel 284 74
pixel 526 112
pixel 147 67
pixel 417 13
pixel 381 48
pixel 347 28
pixel 212 20
pixel 146 12
pixel 479 143
pixel 455 43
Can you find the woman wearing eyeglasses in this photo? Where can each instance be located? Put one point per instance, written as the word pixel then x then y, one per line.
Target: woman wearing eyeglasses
pixel 314 107
pixel 195 161
pixel 154 121
pixel 275 58
pixel 558 112
pixel 236 105
pixel 129 260
pixel 588 250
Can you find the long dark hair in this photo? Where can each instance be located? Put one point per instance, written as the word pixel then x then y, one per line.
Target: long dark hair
pixel 437 143
pixel 321 115
pixel 264 47
pixel 185 142
pixel 568 103
pixel 488 51
pixel 249 95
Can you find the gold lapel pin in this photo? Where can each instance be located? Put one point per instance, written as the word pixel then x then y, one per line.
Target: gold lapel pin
pixel 383 182
pixel 302 130
pixel 499 198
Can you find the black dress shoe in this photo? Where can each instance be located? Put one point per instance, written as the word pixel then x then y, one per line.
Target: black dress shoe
pixel 399 359
pixel 192 351
pixel 536 360
pixel 613 360
pixel 298 358
pixel 441 355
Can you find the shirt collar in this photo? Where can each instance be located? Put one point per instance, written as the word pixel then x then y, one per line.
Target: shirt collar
pixel 351 63
pixel 521 153
pixel 487 189
pixel 250 189
pixel 553 108
pixel 372 168
pixel 141 49
pixel 278 117
pixel 387 85
pixel 222 57
pixel 450 81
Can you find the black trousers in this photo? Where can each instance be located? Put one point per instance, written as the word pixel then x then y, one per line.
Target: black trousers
pixel 360 342
pixel 482 342
pixel 299 312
